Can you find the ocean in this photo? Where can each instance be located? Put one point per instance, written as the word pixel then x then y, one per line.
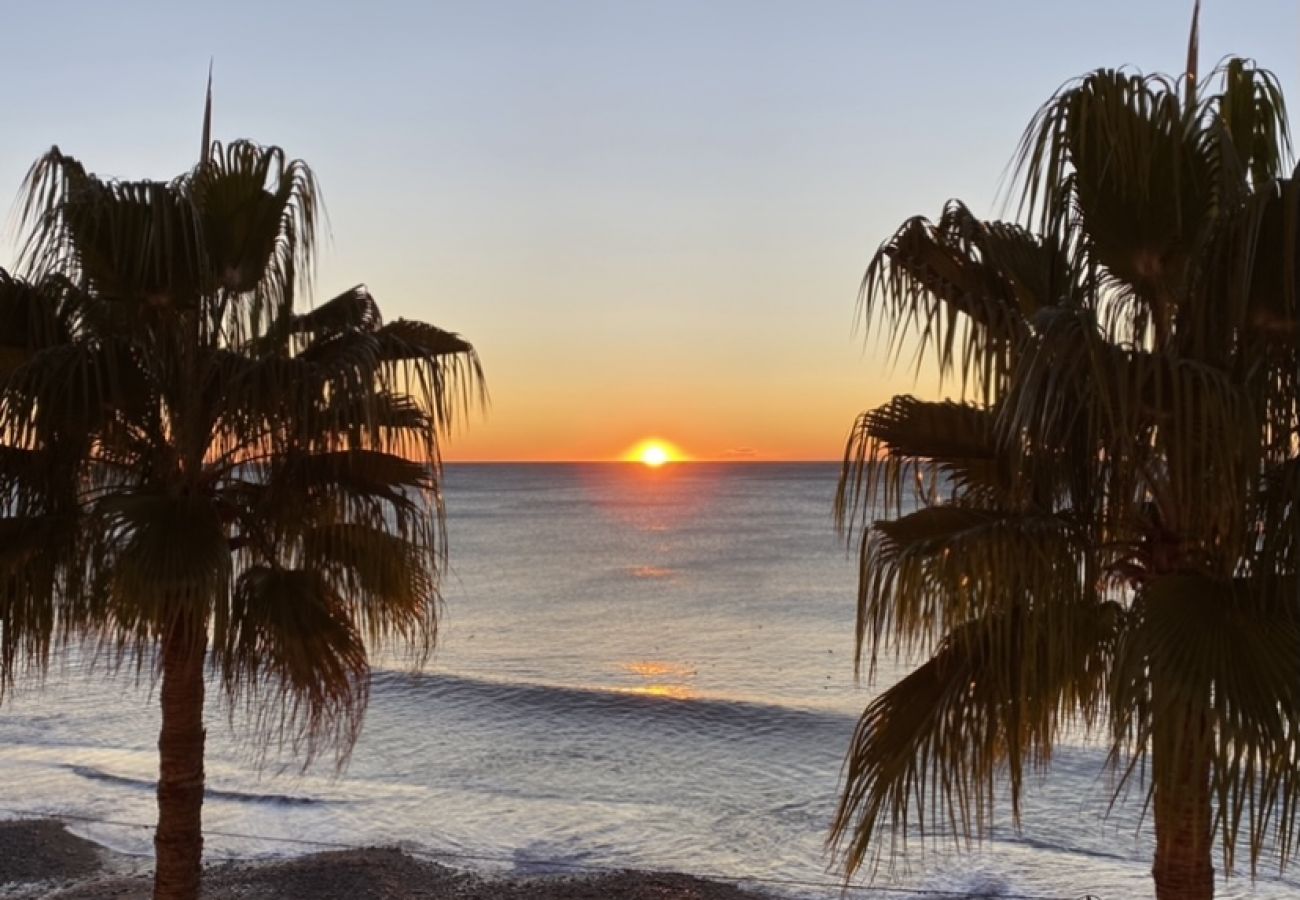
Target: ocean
pixel 647 668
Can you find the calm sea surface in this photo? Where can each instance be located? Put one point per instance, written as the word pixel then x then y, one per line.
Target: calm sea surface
pixel 643 668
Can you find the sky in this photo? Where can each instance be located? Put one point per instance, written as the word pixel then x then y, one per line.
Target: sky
pixel 650 218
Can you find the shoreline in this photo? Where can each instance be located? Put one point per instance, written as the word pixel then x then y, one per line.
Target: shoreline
pixel 40 858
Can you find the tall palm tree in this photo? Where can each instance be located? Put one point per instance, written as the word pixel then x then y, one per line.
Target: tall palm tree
pixel 1106 530
pixel 196 472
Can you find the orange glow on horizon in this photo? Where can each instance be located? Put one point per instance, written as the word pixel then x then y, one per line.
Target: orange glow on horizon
pixel 654 453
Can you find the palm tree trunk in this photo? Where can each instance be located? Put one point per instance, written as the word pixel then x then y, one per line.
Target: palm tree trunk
pixel 1184 868
pixel 178 842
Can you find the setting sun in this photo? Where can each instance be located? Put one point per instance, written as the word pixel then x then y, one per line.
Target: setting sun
pixel 654 456
pixel 654 453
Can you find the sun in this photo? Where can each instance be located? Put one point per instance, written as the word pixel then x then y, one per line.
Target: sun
pixel 654 453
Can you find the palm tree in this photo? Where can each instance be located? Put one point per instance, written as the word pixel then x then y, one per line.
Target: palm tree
pixel 198 474
pixel 1106 527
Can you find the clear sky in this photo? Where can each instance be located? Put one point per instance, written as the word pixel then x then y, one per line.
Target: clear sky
pixel 651 218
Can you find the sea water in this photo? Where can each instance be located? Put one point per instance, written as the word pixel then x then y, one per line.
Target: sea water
pixel 636 667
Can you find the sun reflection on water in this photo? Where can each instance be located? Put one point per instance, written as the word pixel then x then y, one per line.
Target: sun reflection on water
pixel 665 679
pixel 665 691
pixel 659 669
pixel 650 499
pixel 650 572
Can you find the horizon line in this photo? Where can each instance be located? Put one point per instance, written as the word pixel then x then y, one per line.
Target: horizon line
pixel 633 462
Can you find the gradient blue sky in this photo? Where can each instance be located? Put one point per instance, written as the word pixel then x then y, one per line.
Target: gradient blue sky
pixel 651 218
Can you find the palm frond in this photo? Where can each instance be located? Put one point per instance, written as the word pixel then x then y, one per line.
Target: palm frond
pixel 277 503
pixel 33 316
pixel 164 558
pixel 353 310
pixel 135 242
pixel 1135 408
pixel 1217 658
pixel 926 573
pixel 291 657
pixel 931 753
pixel 388 580
pixel 944 283
pixel 438 367
pixel 1252 110
pixel 32 614
pixel 259 211
pixel 64 394
pixel 907 438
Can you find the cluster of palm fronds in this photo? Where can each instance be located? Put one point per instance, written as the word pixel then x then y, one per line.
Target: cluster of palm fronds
pixel 179 442
pixel 1108 524
pixel 190 464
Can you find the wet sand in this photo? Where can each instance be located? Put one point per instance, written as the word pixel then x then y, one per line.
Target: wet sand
pixel 39 858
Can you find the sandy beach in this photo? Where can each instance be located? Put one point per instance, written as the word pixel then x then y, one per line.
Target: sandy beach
pixel 41 859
